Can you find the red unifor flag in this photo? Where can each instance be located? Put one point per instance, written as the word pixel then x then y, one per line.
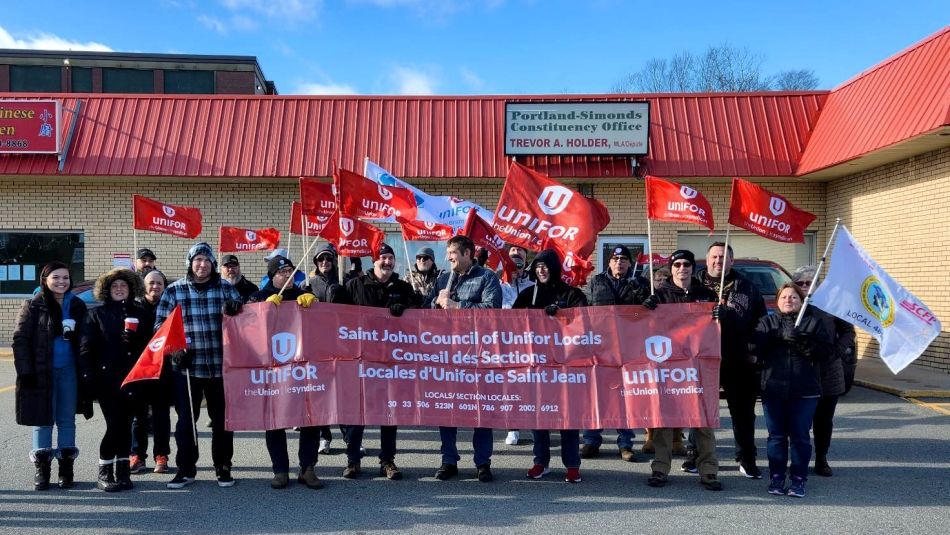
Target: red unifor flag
pixel 237 240
pixel 482 234
pixel 669 201
pixel 537 212
pixel 317 198
pixel 315 223
pixel 156 216
pixel 644 258
pixel 361 197
pixel 767 214
pixel 352 237
pixel 575 270
pixel 169 338
pixel 425 231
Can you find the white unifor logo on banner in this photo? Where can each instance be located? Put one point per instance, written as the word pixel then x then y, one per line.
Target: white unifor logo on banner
pixel 283 346
pixel 688 193
pixel 385 193
pixel 169 211
pixel 554 199
pixel 157 344
pixel 250 235
pixel 658 348
pixel 777 206
pixel 347 226
pixel 430 225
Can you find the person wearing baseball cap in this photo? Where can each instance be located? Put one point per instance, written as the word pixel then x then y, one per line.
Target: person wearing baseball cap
pixel 424 273
pixel 144 261
pixel 617 285
pixel 231 271
pixel 380 287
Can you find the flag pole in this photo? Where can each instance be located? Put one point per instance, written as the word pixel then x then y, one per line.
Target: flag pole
pixel 296 269
pixel 649 255
pixel 814 280
pixel 303 232
pixel 191 409
pixel 412 280
pixel 725 258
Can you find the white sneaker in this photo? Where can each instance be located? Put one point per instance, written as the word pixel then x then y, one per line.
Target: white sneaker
pixel 324 446
pixel 513 438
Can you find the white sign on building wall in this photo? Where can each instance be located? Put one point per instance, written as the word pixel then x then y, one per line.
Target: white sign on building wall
pixel 617 128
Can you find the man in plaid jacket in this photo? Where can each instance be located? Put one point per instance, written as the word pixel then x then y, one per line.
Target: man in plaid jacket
pixel 203 296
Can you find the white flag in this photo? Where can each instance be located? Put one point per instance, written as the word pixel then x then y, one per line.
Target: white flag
pixel 442 209
pixel 858 291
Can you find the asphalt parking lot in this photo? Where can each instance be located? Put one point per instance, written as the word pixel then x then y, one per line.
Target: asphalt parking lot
pixel 891 459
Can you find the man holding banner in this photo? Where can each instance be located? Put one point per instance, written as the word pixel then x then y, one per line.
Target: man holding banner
pixel 466 285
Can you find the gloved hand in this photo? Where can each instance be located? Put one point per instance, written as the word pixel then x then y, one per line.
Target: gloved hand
pixel 182 359
pixel 232 307
pixel 276 299
pixel 396 309
pixel 651 302
pixel 305 300
pixel 551 310
pixel 719 312
pixel 28 380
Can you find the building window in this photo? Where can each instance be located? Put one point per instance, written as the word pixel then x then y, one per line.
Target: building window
pixel 24 253
pixel 128 81
pixel 32 78
pixel 606 245
pixel 189 82
pixel 81 79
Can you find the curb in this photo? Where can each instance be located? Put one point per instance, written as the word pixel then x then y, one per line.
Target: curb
pixel 904 393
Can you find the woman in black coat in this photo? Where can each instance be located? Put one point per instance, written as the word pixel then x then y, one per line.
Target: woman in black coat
pixel 111 345
pixel 48 384
pixel 790 358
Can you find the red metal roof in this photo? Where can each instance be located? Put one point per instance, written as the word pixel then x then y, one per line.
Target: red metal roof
pixel 692 135
pixel 900 98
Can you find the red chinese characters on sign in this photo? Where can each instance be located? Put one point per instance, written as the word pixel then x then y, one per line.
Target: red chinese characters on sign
pixel 30 126
pixel 587 368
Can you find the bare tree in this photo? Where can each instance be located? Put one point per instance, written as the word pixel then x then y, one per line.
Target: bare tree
pixel 721 68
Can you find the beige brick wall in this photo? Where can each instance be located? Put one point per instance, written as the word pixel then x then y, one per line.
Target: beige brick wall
pixel 900 214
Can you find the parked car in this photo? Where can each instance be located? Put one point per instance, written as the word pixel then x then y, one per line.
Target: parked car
pixel 83 290
pixel 767 276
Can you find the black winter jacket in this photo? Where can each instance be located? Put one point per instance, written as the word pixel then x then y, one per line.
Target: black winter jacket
pixel 36 327
pixel 606 290
pixel 832 369
pixel 326 288
pixel 790 369
pixel 554 292
pixel 245 288
pixel 103 349
pixel 367 290
pixel 667 292
pixel 291 293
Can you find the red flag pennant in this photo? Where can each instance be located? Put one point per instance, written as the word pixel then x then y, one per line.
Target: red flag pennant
pixel 315 223
pixel 644 258
pixel 484 236
pixel 361 197
pixel 538 212
pixel 669 201
pixel 168 339
pixel 317 198
pixel 156 216
pixel 353 237
pixel 237 240
pixel 575 270
pixel 425 231
pixel 767 214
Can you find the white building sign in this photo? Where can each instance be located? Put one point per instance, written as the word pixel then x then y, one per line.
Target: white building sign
pixel 553 128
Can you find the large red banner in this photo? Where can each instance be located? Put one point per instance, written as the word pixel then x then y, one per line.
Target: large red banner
pixel 538 212
pixel 30 126
pixel 237 240
pixel 317 198
pixel 669 201
pixel 156 216
pixel 352 237
pixel 585 368
pixel 361 197
pixel 483 235
pixel 767 214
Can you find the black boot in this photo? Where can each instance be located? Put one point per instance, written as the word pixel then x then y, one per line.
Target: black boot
pixel 67 457
pixel 821 466
pixel 122 474
pixel 42 461
pixel 106 480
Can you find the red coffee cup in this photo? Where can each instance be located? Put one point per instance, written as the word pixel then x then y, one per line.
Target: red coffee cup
pixel 131 324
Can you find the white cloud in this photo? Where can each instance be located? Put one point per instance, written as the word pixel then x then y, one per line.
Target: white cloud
pixel 432 9
pixel 213 23
pixel 312 88
pixel 412 81
pixel 47 41
pixel 473 80
pixel 291 10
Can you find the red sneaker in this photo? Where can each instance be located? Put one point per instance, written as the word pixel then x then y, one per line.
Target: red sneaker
pixel 161 464
pixel 573 475
pixel 538 471
pixel 136 464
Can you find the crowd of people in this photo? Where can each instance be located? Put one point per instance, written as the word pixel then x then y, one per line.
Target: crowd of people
pixel 67 356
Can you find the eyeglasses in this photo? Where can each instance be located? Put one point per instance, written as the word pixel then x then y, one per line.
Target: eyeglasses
pixel 324 259
pixel 682 264
pixel 802 284
pixel 285 271
pixel 424 258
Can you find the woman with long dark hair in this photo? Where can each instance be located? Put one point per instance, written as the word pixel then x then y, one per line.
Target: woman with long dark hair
pixel 112 340
pixel 46 356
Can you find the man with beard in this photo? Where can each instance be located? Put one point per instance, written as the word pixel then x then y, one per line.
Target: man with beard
pixel 144 261
pixel 231 271
pixel 424 273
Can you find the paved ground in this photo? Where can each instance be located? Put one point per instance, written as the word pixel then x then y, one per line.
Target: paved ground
pixel 891 460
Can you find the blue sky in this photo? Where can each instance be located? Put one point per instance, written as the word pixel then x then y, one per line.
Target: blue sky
pixel 463 47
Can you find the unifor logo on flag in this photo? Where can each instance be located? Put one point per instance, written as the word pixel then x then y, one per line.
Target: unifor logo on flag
pixel 669 201
pixel 857 290
pixel 317 198
pixel 439 209
pixel 425 231
pixel 537 212
pixel 156 216
pixel 346 226
pixel 658 348
pixel 236 240
pixel 484 236
pixel 363 198
pixel 576 270
pixel 352 237
pixel 169 338
pixel 767 214
pixel 315 223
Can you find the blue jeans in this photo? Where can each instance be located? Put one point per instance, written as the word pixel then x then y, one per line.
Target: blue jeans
pixel 65 389
pixel 481 443
pixel 788 422
pixel 624 437
pixel 570 441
